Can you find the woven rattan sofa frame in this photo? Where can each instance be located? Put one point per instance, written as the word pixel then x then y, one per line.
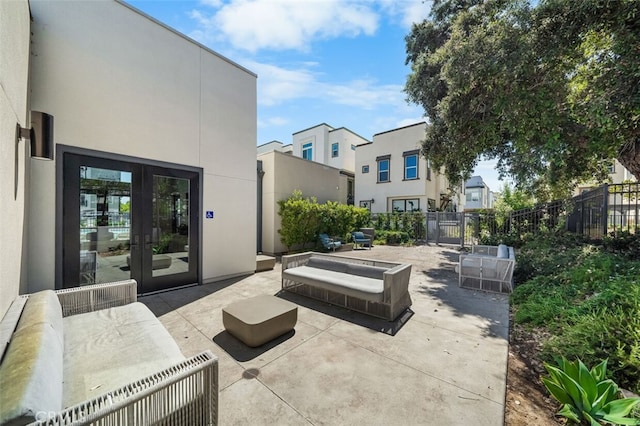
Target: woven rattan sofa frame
pixel 501 276
pixel 396 298
pixel 185 394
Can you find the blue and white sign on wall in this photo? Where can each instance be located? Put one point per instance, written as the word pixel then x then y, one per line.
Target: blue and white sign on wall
pixel 209 214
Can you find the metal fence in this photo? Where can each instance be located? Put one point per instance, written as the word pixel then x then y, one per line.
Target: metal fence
pixel 608 209
pixel 611 208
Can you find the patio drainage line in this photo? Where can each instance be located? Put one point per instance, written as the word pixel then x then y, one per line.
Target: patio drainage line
pixel 425 372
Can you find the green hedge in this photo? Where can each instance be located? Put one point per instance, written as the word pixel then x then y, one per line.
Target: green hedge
pixel 303 219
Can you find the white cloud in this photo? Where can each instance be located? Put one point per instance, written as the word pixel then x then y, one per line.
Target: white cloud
pixel 285 24
pixel 273 122
pixel 407 11
pixel 277 85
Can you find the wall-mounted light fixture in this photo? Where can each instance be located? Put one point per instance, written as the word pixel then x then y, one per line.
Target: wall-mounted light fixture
pixel 40 135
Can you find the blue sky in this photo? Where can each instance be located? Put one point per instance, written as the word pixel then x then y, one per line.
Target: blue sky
pixel 340 62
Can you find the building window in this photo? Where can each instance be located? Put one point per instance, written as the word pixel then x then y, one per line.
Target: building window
pixel 411 167
pixel 431 205
pixel 409 205
pixel 334 150
pixel 353 147
pixel 366 204
pixel 611 168
pixel 428 169
pixel 307 151
pixel 473 195
pixel 383 168
pixel 365 169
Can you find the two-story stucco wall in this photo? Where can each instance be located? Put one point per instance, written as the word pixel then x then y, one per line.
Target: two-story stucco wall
pixel 15 24
pixel 395 144
pixel 317 136
pixel 284 174
pixel 118 81
pixel 347 142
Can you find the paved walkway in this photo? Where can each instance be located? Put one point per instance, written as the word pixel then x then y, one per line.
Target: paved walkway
pixel 445 366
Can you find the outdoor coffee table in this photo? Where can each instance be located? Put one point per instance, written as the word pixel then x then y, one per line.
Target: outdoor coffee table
pixel 259 319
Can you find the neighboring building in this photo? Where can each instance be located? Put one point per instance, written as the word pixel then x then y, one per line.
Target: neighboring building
pixel 617 174
pixel 327 145
pixel 154 142
pixel 281 175
pixel 275 146
pixel 477 194
pixel 391 175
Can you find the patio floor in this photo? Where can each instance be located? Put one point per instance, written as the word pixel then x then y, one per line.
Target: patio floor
pixel 446 365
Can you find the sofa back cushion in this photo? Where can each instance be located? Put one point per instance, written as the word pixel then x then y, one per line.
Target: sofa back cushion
pixel 368 271
pixel 328 264
pixel 503 252
pixel 31 370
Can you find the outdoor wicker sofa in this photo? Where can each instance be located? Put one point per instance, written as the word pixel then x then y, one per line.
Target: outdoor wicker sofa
pixel 487 268
pixel 374 287
pixel 94 354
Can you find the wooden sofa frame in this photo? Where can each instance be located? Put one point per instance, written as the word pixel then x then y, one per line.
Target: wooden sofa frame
pixel 184 394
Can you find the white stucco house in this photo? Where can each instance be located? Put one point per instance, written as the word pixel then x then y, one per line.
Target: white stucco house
pixel 153 138
pixel 477 194
pixel 391 175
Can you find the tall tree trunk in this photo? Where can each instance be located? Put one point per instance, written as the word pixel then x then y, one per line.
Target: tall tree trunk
pixel 629 157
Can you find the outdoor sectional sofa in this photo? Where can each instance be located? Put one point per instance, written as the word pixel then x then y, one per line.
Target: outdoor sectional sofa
pixel 94 354
pixel 374 287
pixel 487 268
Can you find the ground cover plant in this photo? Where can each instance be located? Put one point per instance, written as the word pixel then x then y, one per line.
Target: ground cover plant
pixel 584 298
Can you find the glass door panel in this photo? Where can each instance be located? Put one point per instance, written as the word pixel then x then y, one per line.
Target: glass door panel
pixel 124 219
pixel 170 220
pixel 105 225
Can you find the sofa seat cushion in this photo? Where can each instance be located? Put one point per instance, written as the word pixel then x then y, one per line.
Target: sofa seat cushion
pixel 31 370
pixel 110 348
pixel 351 285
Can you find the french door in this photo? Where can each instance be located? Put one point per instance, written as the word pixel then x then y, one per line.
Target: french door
pixel 124 219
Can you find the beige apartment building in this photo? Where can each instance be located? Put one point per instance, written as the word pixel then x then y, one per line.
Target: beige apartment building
pixel 391 175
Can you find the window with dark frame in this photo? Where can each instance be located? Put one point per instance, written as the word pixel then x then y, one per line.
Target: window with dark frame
pixel 365 169
pixel 307 151
pixel 411 164
pixel 405 205
pixel 334 150
pixel 383 168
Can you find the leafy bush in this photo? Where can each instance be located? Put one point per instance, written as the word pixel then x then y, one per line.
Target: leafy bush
pixel 303 219
pixel 587 297
pixel 392 237
pixel 587 395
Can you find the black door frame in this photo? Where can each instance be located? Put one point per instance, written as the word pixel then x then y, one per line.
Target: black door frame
pixel 111 159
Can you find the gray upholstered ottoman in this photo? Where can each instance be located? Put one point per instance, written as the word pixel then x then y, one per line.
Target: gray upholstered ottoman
pixel 259 319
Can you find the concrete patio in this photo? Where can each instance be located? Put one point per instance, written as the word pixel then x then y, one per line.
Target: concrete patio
pixel 445 365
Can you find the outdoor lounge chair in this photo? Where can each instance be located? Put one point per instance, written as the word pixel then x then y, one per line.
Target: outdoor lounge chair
pixel 329 243
pixel 360 238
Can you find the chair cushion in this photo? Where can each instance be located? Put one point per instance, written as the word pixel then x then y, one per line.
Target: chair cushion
pixel 359 236
pixel 31 370
pixel 503 252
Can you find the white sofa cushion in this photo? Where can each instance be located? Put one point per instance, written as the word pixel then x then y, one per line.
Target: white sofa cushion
pixel 351 285
pixel 503 252
pixel 109 348
pixel 31 370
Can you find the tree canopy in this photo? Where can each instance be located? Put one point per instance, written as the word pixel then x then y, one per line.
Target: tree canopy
pixel 551 91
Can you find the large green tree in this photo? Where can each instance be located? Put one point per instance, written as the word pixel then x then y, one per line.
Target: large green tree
pixel 551 91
